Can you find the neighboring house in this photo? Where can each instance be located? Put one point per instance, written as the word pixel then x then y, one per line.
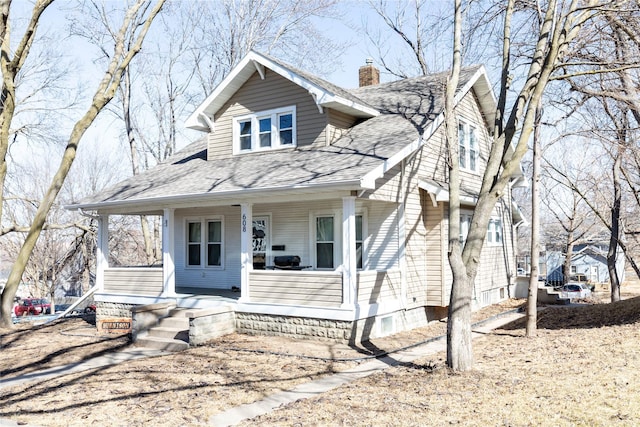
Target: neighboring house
pixel 588 260
pixel 347 188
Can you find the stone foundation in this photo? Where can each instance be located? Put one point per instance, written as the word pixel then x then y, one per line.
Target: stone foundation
pixel 294 327
pixel 108 310
pixel 207 324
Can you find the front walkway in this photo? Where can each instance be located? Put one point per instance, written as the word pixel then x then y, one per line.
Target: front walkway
pixel 241 413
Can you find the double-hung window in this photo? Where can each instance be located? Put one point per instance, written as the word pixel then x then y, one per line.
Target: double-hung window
pixel 494 231
pixel 265 130
pixel 468 147
pixel 325 242
pixel 205 243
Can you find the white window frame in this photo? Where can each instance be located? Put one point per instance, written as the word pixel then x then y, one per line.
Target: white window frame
pixel 255 118
pixel 204 242
pixel 365 240
pixel 465 131
pixel 495 232
pixel 337 240
pixel 465 225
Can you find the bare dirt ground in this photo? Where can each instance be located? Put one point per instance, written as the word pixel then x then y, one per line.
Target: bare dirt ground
pixel 582 369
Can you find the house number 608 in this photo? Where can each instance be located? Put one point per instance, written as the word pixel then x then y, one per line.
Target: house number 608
pixel 244 223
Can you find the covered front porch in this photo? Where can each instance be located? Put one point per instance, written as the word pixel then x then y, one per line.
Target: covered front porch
pixel 236 245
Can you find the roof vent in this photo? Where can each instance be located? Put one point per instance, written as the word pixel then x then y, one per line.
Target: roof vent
pixel 368 74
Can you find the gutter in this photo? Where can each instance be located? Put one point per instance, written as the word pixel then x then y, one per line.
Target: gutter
pixel 166 200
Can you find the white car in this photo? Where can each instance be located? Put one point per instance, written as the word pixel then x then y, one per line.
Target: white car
pixel 576 290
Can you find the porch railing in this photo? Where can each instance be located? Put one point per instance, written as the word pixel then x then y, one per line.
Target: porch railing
pixel 311 288
pixel 145 281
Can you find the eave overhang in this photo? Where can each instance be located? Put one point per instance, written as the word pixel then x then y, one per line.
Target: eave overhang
pixel 255 62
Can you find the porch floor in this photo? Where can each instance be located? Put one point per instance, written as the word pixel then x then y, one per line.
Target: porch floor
pixel 208 292
pixel 205 298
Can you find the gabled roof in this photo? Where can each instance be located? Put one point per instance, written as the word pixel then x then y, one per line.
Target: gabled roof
pixel 408 112
pixel 324 93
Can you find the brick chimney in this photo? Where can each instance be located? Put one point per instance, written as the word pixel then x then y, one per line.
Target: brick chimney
pixel 368 74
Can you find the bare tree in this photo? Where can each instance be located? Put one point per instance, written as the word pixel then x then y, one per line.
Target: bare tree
pixel 559 24
pixel 105 92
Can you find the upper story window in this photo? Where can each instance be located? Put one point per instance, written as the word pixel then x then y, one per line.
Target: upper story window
pixel 265 130
pixel 468 147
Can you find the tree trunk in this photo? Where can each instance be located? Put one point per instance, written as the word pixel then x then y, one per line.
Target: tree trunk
pixel 459 336
pixel 566 266
pixel 104 93
pixel 615 226
pixel 532 297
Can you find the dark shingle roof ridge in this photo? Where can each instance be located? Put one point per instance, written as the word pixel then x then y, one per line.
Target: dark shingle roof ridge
pixel 465 74
pixel 318 81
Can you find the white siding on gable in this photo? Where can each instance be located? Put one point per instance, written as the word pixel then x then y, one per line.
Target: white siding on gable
pixel 469 112
pixel 260 95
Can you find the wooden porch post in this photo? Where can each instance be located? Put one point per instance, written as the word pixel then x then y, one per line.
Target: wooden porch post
pixel 349 262
pixel 246 249
pixel 168 252
pixel 102 250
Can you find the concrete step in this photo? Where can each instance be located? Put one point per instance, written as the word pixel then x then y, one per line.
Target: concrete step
pixel 159 343
pixel 172 333
pixel 179 323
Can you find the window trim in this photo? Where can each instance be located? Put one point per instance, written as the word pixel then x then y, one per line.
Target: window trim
pixel 274 115
pixel 365 238
pixel 468 129
pixel 204 242
pixel 337 238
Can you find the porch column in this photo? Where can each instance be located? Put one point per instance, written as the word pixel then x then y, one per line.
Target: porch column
pixel 102 250
pixel 349 262
pixel 246 249
pixel 168 252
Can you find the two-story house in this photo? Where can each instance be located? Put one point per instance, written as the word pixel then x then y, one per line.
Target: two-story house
pixel 325 209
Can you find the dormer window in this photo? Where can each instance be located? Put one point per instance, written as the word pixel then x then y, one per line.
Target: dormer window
pixel 265 130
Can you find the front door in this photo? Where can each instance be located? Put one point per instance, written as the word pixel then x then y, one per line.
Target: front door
pixel 260 242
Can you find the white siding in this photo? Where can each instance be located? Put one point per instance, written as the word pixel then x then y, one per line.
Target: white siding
pixel 260 95
pixel 133 281
pixel 312 288
pixel 378 286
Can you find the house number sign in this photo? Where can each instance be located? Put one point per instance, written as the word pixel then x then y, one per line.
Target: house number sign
pixel 244 223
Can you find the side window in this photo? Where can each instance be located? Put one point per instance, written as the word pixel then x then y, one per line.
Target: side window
pixel 359 241
pixel 494 231
pixel 465 224
pixel 469 151
pixel 325 243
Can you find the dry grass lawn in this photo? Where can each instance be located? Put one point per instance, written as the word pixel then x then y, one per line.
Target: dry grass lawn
pixel 582 369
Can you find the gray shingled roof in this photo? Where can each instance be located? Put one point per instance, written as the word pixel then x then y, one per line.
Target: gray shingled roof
pixel 406 106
